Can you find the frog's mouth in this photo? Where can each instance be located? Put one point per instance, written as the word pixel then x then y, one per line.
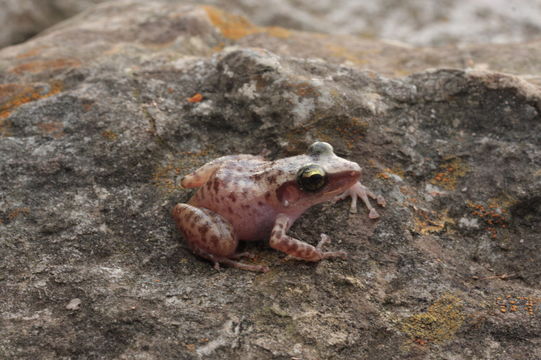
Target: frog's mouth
pixel 339 182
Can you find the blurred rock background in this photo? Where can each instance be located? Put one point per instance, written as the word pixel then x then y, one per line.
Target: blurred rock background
pixel 420 22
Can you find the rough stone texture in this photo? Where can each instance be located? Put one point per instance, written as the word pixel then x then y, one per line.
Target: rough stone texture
pixel 421 22
pixel 96 127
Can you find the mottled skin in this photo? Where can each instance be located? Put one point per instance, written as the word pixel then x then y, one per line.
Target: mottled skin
pixel 245 197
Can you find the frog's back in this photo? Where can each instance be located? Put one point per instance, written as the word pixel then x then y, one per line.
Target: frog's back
pixel 237 191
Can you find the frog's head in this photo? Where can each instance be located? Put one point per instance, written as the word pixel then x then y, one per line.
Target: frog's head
pixel 320 176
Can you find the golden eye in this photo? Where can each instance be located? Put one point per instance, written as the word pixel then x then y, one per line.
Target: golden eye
pixel 311 178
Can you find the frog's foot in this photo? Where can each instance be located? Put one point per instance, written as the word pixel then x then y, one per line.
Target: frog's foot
pixel 217 260
pixel 296 248
pixel 325 239
pixel 211 236
pixel 361 191
pixel 241 255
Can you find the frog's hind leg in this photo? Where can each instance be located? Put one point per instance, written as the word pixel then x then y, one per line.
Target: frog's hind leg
pixel 210 236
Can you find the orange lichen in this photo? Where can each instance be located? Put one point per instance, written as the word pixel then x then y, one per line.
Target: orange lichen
pixel 30 53
pixel 43 65
pixel 231 26
pixel 519 304
pixel 15 95
pixel 430 222
pixel 235 27
pixel 449 173
pixel 492 216
pixel 387 172
pixel 196 98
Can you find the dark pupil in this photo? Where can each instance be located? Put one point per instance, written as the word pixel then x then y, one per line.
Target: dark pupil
pixel 313 181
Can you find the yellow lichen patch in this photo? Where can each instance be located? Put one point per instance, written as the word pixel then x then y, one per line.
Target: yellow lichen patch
pixel 43 65
pixel 343 53
pixel 235 27
pixel 231 26
pixel 109 135
pixel 15 95
pixel 277 32
pixel 54 129
pixel 439 323
pixel 431 223
pixel 493 216
pixel 450 171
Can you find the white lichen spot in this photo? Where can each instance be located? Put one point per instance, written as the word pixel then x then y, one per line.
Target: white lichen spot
pixel 468 223
pixel 204 108
pixel 432 191
pixel 227 72
pixel 74 304
pixel 228 336
pixel 303 110
pixel 373 102
pixel 248 90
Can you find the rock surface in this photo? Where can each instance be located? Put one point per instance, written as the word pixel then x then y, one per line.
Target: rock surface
pixel 98 120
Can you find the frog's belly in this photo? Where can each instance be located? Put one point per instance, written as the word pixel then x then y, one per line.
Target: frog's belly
pixel 251 222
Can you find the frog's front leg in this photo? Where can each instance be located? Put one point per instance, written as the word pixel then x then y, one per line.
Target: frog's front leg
pixel 210 236
pixel 359 190
pixel 296 248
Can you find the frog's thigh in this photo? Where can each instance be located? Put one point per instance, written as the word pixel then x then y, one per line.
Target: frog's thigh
pixel 293 247
pixel 205 231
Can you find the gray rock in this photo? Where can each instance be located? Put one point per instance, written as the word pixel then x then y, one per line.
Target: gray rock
pixel 96 128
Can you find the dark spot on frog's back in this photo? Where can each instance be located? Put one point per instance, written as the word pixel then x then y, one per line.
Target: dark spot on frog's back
pixel 232 197
pixel 216 185
pixel 214 240
pixel 271 179
pixel 203 229
pixel 188 215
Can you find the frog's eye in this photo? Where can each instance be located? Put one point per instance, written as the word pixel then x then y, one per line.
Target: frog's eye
pixel 311 178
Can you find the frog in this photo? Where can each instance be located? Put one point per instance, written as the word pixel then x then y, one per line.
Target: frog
pixel 246 197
